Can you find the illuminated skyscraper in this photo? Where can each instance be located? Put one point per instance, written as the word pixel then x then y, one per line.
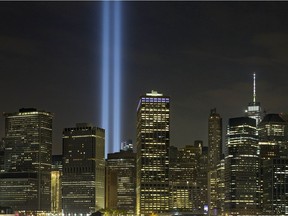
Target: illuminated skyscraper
pixel 153 141
pixel 121 181
pixel 242 168
pixel 273 142
pixel 220 192
pixel 275 186
pixel 272 136
pixel 254 109
pixel 214 155
pixel 202 179
pixel 183 177
pixel 83 181
pixel 214 139
pixel 25 182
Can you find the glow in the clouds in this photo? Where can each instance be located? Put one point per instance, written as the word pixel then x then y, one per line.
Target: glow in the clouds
pixel 111 74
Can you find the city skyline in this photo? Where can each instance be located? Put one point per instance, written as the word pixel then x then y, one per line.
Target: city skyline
pixel 201 54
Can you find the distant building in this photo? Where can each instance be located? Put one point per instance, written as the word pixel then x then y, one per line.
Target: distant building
pixel 183 178
pixel 202 179
pixel 273 142
pixel 275 186
pixel 254 109
pixel 121 181
pixel 242 168
pixel 273 134
pixel 56 185
pixel 1 156
pixel 83 180
pixel 25 183
pixel 127 145
pixel 214 139
pixel 220 181
pixel 153 142
pixel 214 155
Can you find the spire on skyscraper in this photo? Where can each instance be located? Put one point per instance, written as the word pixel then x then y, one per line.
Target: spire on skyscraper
pixel 254 87
pixel 254 108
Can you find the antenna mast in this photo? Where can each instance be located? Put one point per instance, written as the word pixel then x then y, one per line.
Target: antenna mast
pixel 254 87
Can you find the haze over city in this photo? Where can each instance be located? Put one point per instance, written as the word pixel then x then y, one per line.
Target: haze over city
pixel 201 54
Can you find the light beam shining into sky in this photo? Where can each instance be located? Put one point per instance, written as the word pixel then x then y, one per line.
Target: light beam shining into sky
pixel 111 75
pixel 117 77
pixel 105 71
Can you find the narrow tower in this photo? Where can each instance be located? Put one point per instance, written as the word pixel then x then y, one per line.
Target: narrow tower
pixel 254 109
pixel 153 143
pixel 214 157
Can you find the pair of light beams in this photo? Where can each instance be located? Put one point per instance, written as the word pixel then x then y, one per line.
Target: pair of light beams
pixel 111 75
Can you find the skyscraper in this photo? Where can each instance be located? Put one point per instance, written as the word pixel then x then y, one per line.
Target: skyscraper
pixel 83 181
pixel 25 182
pixel 254 109
pixel 153 141
pixel 242 168
pixel 121 181
pixel 275 186
pixel 273 142
pixel 183 177
pixel 214 139
pixel 202 179
pixel 273 131
pixel 214 155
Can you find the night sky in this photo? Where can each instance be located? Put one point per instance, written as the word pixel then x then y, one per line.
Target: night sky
pixel 201 54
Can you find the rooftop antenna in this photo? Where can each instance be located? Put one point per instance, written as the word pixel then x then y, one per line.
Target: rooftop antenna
pixel 254 87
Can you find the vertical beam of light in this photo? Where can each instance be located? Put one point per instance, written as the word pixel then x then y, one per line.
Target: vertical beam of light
pixel 105 72
pixel 117 77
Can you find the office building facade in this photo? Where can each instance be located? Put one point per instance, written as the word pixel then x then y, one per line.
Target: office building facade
pixel 275 186
pixel 26 181
pixel 242 168
pixel 121 181
pixel 153 141
pixel 183 177
pixel 83 180
pixel 56 185
pixel 273 143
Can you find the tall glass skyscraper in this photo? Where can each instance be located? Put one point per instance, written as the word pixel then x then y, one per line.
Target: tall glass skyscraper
pixel 153 141
pixel 242 168
pixel 25 182
pixel 83 180
pixel 273 142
